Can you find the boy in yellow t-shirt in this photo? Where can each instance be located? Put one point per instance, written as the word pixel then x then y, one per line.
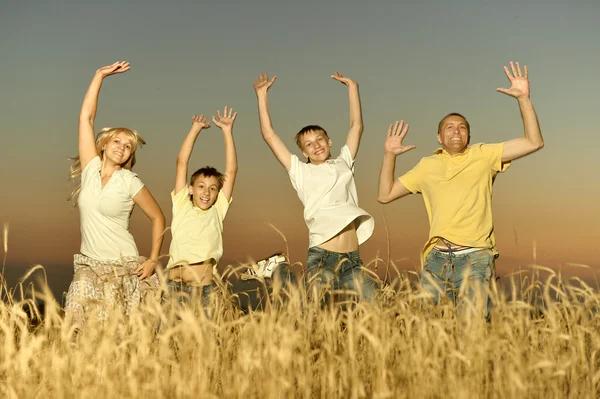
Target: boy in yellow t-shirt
pixel 198 213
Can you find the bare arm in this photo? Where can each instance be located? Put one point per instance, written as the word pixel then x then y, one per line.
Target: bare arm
pixel 283 155
pixel 390 188
pixel 225 123
pixel 87 142
pixel 533 140
pixel 185 152
pixel 150 207
pixel 356 124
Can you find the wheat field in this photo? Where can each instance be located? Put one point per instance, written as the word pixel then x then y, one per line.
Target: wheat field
pixel 543 341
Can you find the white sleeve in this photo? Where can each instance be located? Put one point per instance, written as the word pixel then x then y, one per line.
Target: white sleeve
pixel 347 157
pixel 135 185
pixel 295 173
pixel 91 166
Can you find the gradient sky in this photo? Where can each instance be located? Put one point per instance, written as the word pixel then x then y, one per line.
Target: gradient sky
pixel 416 62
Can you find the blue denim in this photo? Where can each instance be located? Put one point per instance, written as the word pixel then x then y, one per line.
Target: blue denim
pixel 337 270
pixel 186 292
pixel 449 270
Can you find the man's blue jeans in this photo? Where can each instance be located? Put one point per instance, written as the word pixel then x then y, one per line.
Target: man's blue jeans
pixel 338 271
pixel 445 274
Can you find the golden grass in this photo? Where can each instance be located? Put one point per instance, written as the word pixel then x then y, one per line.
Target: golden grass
pixel 543 342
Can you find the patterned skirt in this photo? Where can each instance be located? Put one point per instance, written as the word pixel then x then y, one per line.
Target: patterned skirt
pixel 100 288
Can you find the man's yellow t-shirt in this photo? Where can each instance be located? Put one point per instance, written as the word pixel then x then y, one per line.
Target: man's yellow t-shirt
pixel 457 191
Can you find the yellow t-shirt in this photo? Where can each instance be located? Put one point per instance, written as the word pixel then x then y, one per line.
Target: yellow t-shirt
pixel 457 191
pixel 197 235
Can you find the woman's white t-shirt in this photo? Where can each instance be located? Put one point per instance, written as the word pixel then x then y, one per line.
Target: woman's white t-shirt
pixel 328 193
pixel 105 212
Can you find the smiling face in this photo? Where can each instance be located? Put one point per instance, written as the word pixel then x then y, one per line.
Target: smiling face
pixel 315 145
pixel 204 191
pixel 119 148
pixel 453 134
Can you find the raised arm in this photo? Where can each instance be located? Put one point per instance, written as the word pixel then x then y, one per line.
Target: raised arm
pixel 283 155
pixel 198 123
pixel 149 206
pixel 532 141
pixel 87 142
pixel 225 123
pixel 356 124
pixel 390 188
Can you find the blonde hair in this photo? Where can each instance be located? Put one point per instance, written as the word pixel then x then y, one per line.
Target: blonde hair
pixel 103 137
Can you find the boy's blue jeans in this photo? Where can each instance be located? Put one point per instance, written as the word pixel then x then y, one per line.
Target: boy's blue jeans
pixel 337 271
pixel 449 271
pixel 186 292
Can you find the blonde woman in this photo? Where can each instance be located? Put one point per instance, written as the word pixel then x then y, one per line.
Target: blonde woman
pixel 109 272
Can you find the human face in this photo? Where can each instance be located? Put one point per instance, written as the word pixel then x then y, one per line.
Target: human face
pixel 454 134
pixel 316 146
pixel 118 149
pixel 204 191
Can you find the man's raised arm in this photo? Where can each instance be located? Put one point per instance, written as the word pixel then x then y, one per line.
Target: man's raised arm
pixel 532 141
pixel 390 188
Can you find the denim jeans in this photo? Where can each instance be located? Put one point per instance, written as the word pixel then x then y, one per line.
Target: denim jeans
pixel 184 293
pixel 449 271
pixel 337 270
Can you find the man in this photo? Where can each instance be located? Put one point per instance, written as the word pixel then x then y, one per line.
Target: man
pixel 456 184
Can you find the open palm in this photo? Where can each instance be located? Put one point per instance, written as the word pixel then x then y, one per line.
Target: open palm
pixel 117 67
pixel 263 83
pixel 226 120
pixel 393 142
pixel 519 82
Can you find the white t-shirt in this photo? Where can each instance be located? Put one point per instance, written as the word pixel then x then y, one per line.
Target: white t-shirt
pixel 105 212
pixel 328 193
pixel 197 234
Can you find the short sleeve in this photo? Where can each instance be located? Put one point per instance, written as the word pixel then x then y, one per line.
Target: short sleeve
pixel 346 156
pixel 493 153
pixel 412 179
pixel 295 173
pixel 91 167
pixel 180 199
pixel 135 185
pixel 222 205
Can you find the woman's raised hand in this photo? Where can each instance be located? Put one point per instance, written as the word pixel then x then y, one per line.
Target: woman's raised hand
pixel 117 67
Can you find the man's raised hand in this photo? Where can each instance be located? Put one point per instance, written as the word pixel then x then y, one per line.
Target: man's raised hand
pixel 393 142
pixel 226 120
pixel 519 82
pixel 117 67
pixel 200 122
pixel 341 78
pixel 263 84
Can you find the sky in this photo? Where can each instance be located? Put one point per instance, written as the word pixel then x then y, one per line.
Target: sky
pixel 415 61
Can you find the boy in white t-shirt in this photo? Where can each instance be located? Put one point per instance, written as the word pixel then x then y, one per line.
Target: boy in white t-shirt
pixel 326 187
pixel 198 213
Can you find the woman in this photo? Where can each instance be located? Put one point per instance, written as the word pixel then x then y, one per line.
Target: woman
pixel 109 272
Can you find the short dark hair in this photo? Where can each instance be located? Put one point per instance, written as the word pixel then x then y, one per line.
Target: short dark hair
pixel 453 114
pixel 208 171
pixel 306 129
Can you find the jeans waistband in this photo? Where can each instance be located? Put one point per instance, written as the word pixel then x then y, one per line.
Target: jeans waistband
pixel 322 251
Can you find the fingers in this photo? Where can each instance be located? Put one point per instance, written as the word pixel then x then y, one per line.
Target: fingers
pixel 216 122
pixel 501 90
pixel 397 128
pixel 404 131
pixel 514 71
pixel 507 72
pixel 234 115
pixel 526 72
